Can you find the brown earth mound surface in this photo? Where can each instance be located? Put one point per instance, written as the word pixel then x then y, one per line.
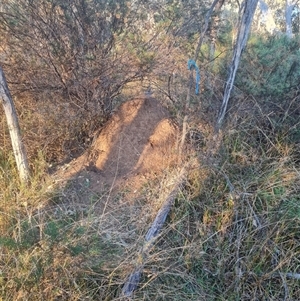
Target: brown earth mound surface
pixel 138 142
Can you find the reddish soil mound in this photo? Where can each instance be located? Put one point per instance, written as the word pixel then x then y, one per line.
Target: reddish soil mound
pixel 137 142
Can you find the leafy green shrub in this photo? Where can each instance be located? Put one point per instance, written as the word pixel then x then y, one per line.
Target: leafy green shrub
pixel 270 66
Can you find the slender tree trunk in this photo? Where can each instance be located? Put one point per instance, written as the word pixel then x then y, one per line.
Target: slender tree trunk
pixel 188 97
pixel 14 130
pixel 288 18
pixel 242 37
pixel 267 18
pixel 207 17
pixel 214 28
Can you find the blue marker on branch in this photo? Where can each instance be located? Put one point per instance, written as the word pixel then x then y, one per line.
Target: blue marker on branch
pixel 192 64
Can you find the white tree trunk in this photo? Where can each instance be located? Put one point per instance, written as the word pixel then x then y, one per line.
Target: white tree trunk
pixel 242 37
pixel 267 18
pixel 14 130
pixel 288 17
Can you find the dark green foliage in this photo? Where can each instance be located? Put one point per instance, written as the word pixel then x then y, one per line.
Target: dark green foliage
pixel 270 66
pixel 8 243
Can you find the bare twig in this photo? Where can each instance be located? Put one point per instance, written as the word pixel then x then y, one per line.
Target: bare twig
pixel 188 96
pixel 205 27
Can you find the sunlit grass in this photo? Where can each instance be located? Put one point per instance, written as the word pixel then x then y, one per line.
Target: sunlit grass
pixel 232 233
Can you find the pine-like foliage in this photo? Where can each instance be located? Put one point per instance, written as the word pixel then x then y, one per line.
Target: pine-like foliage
pixel 270 66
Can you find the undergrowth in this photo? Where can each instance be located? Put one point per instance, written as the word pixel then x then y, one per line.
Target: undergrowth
pixel 233 232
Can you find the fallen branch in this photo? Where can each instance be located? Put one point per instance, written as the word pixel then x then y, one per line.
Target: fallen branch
pixel 134 278
pixel 292 275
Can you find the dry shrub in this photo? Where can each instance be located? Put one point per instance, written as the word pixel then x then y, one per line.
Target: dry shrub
pixel 66 64
pixel 232 234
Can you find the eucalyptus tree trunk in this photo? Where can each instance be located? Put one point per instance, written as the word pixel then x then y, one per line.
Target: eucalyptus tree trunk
pixel 267 18
pixel 244 26
pixel 215 21
pixel 14 130
pixel 214 29
pixel 288 18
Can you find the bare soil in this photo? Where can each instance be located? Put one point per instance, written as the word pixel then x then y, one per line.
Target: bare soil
pixel 137 143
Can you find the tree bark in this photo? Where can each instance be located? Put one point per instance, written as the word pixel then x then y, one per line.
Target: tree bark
pixel 207 17
pixel 14 130
pixel 214 28
pixel 267 18
pixel 242 37
pixel 288 18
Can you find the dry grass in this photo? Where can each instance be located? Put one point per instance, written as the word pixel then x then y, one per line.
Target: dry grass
pixel 233 232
